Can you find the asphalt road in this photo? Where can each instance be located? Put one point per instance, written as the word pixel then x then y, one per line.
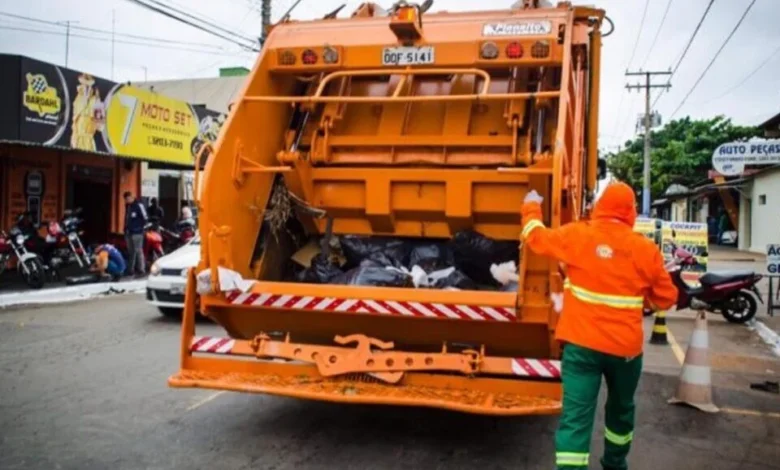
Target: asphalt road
pixel 82 386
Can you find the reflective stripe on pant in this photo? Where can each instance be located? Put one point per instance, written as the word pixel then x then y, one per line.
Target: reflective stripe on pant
pixel 581 372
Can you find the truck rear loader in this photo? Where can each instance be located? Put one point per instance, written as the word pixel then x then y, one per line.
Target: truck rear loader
pixel 405 124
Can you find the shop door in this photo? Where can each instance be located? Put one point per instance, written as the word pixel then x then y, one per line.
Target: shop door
pixel 169 199
pixel 90 189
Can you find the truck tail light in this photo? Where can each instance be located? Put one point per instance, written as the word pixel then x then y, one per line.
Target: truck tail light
pixel 287 58
pixel 309 57
pixel 514 50
pixel 489 50
pixel 540 49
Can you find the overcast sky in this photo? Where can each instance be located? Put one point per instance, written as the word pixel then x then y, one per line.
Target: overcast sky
pixel 723 90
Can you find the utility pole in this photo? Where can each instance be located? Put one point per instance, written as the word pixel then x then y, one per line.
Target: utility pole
pixel 113 31
pixel 648 125
pixel 265 16
pixel 67 38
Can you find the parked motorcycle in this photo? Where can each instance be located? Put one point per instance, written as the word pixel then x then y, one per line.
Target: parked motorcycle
pixel 729 293
pixel 153 242
pixel 181 235
pixel 28 263
pixel 64 240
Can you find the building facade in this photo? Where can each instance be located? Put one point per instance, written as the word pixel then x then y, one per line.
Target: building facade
pixel 69 139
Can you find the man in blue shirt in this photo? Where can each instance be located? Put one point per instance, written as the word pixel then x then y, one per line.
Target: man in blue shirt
pixel 135 220
pixel 109 261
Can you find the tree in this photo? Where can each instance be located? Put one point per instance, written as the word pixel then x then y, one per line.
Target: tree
pixel 681 153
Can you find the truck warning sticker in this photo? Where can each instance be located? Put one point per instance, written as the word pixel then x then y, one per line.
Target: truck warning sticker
pixel 524 28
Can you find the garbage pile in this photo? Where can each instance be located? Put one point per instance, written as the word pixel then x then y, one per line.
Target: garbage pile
pixel 468 261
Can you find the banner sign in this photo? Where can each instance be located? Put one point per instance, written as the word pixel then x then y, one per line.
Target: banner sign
pixel 730 159
pixel 690 236
pixel 65 108
pixel 773 260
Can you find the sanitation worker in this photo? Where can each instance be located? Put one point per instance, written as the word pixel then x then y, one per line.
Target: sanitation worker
pixel 611 271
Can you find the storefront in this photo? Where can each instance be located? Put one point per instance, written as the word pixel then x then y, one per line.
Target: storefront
pixel 68 139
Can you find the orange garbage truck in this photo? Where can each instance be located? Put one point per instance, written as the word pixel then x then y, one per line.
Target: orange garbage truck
pixel 385 135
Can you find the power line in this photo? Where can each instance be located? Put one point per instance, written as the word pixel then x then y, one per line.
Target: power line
pixel 628 64
pixel 639 33
pixel 103 31
pixel 657 33
pixel 194 25
pixel 119 41
pixel 173 11
pixel 687 46
pixel 717 54
pixel 747 77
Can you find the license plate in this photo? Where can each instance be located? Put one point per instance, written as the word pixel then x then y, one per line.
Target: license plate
pixel 407 55
pixel 177 290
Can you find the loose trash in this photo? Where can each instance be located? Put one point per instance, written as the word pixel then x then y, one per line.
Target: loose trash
pixel 431 257
pixel 469 261
pixel 476 253
pixel 229 280
pixel 320 271
pixel 373 276
pixel 767 386
pixel 356 249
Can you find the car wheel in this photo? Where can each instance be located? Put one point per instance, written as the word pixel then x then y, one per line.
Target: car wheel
pixel 170 312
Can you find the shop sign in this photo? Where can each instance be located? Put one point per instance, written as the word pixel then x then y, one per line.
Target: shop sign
pixel 690 236
pixel 773 260
pixel 67 108
pixel 730 159
pixel 149 187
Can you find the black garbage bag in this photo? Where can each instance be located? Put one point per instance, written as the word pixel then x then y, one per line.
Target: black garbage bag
pixel 431 257
pixel 373 276
pixel 455 279
pixel 321 271
pixel 475 253
pixel 381 260
pixel 356 249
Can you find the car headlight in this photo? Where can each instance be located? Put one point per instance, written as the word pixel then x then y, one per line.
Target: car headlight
pixel 155 269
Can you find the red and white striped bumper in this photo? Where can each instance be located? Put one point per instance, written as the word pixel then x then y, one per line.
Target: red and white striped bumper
pixel 375 307
pixel 521 367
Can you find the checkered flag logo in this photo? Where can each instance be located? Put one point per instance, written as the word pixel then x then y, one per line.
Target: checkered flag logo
pixel 39 84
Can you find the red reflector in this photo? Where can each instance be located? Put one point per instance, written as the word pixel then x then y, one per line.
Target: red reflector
pixel 309 57
pixel 514 50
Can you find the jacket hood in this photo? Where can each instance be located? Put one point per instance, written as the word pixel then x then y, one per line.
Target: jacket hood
pixel 617 202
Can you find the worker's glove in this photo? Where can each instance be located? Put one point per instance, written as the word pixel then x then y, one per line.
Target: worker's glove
pixel 533 196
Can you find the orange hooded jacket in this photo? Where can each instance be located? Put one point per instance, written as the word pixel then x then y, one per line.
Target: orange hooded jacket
pixel 611 271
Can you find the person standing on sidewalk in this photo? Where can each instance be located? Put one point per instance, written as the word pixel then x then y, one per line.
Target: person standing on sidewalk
pixel 135 220
pixel 612 271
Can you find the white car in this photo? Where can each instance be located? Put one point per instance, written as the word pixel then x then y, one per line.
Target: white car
pixel 168 278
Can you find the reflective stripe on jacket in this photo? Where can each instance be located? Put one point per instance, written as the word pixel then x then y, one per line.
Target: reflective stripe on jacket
pixel 611 271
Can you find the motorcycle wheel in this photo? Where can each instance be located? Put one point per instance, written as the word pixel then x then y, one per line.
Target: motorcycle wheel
pixel 741 308
pixel 37 276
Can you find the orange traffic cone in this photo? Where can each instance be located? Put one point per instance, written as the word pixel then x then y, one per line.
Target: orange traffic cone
pixel 695 386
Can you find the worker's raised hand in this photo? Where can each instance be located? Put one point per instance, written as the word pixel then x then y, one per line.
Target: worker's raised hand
pixel 533 196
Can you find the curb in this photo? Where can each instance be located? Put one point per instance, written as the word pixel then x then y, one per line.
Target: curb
pixel 71 294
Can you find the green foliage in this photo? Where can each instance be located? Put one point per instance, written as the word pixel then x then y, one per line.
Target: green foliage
pixel 681 153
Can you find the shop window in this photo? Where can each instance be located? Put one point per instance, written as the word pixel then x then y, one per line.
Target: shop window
pixel 762 200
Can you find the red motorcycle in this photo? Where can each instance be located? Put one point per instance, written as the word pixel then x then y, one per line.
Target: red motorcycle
pixel 729 293
pixel 180 236
pixel 153 243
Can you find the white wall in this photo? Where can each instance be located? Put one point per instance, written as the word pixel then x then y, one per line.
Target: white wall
pixel 679 210
pixel 765 215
